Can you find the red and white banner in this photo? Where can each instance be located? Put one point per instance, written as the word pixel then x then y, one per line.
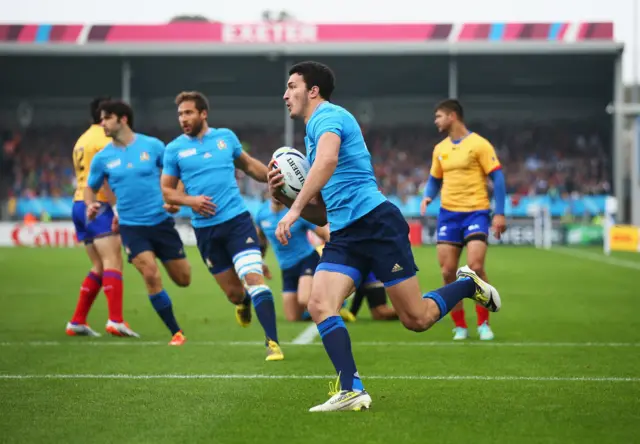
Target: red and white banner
pixel 59 234
pixel 50 234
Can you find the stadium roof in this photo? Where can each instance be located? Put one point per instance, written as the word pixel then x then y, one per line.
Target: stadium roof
pixel 569 76
pixel 293 38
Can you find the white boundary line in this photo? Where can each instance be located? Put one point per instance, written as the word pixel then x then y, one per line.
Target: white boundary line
pixel 307 336
pixel 293 377
pixel 446 344
pixel 579 254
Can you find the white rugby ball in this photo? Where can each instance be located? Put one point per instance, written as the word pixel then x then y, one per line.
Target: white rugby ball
pixel 294 167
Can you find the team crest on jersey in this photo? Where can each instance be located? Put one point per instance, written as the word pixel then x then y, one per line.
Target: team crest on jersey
pixel 114 163
pixel 222 144
pixel 144 156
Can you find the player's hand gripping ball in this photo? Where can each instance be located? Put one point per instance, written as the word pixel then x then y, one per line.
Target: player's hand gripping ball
pixel 294 167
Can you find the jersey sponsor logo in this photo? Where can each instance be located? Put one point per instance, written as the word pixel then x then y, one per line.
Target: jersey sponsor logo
pixel 187 153
pixel 144 156
pixel 114 163
pixel 222 144
pixel 207 155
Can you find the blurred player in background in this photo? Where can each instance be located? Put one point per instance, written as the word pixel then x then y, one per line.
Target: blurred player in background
pixel 297 261
pixel 460 166
pixel 368 233
pixel 101 243
pixel 205 160
pixel 131 165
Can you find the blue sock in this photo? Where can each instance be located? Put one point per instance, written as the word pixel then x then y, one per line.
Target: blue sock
pixel 337 343
pixel 162 304
pixel 265 310
pixel 448 296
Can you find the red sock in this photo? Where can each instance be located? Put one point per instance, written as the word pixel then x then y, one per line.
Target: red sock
pixel 112 284
pixel 88 292
pixel 458 318
pixel 483 315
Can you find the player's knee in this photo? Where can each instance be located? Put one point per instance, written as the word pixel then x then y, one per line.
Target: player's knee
pixel 183 276
pixel 319 307
pixel 416 323
pixel 252 279
pixel 448 274
pixel 151 275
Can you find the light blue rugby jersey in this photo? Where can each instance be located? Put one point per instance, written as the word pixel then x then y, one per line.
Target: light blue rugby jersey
pixel 206 167
pixel 133 173
pixel 352 190
pixel 298 247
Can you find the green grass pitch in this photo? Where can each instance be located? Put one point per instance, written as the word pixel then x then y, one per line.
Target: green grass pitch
pixel 564 368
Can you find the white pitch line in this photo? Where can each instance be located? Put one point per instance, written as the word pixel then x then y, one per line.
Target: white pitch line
pixel 293 377
pixel 597 258
pixel 446 344
pixel 307 336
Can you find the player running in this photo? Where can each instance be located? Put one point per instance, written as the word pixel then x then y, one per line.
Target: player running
pixel 131 165
pixel 205 160
pixel 460 166
pixel 368 233
pixel 101 243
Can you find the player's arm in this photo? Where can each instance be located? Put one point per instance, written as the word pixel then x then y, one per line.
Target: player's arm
pixel 323 233
pixel 97 177
pixel 491 166
pixel 172 195
pixel 326 161
pixel 315 211
pixel 252 167
pixel 434 183
pixel 244 161
pixel 175 195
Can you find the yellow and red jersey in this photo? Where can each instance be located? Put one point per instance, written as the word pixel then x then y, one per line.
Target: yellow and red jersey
pixel 463 167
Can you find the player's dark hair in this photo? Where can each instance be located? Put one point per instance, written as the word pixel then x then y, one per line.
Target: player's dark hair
pixel 94 108
pixel 119 109
pixel 200 101
pixel 451 106
pixel 316 74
